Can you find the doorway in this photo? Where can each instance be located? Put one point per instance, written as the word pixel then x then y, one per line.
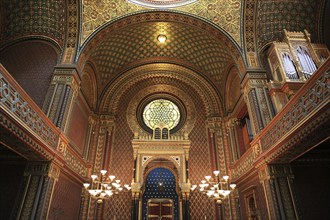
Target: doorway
pixel 160 209
pixel 160 197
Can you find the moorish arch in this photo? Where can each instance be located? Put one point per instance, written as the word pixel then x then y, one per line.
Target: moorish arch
pixel 159 71
pixel 132 144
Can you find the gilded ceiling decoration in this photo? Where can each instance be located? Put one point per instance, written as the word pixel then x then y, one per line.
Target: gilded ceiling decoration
pixel 223 13
pixel 293 15
pixel 139 42
pixel 161 73
pixel 33 17
pixel 162 3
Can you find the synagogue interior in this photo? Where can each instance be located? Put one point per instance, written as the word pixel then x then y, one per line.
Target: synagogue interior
pixel 165 109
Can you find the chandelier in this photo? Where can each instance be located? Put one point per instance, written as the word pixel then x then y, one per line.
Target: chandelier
pixel 103 187
pixel 216 188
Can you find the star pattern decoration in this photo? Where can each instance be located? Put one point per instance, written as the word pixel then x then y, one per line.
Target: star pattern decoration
pixel 153 189
pixel 161 113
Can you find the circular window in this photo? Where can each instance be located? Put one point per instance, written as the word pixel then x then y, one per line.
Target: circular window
pixel 161 113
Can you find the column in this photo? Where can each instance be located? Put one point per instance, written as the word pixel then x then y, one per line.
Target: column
pixel 277 181
pixel 61 95
pixel 216 126
pixel 39 181
pixel 257 99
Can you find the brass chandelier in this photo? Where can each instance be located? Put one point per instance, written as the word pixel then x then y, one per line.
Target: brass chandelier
pixel 216 188
pixel 103 187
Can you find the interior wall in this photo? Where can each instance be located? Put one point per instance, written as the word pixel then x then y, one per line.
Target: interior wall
pixel 78 125
pixel 248 188
pixel 31 63
pixel 66 199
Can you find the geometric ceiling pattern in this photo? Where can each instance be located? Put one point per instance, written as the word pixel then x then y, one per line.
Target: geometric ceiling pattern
pixel 222 13
pixel 138 43
pixel 292 15
pixel 32 17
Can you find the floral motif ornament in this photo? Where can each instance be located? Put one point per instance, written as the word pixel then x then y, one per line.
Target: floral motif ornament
pixel 162 3
pixel 161 113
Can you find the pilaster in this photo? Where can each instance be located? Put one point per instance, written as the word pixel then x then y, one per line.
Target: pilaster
pixel 277 181
pixel 39 181
pixel 61 95
pixel 103 148
pixel 216 126
pixel 101 131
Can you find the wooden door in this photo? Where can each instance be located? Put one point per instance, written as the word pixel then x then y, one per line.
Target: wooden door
pixel 160 209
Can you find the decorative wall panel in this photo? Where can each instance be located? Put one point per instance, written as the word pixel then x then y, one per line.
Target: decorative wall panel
pixel 78 125
pixel 66 199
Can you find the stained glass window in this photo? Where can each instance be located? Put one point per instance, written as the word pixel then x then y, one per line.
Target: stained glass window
pixel 161 113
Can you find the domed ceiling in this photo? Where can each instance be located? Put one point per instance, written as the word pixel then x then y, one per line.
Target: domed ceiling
pixel 137 44
pixel 223 13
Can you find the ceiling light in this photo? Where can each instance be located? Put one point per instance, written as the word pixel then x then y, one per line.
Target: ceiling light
pixel 161 38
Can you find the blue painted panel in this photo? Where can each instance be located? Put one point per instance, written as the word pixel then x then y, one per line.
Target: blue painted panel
pixel 153 190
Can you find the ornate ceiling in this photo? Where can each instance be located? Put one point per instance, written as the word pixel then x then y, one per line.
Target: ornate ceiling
pixel 293 15
pixel 223 13
pixel 138 43
pixel 32 18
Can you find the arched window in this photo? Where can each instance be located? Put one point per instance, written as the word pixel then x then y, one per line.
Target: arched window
pixel 157 134
pixel 165 133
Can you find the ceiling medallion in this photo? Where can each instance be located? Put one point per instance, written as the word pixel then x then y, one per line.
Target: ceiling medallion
pixel 162 3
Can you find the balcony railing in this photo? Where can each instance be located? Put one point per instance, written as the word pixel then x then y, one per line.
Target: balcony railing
pixel 312 99
pixel 17 106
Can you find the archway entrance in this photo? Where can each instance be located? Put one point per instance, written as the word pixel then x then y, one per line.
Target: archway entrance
pixel 160 197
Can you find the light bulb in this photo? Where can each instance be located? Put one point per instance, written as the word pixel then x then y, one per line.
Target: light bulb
pixel 233 185
pixel 94 176
pixel 161 38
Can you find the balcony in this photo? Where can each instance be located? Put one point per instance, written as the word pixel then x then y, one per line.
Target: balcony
pixel 297 128
pixel 29 132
